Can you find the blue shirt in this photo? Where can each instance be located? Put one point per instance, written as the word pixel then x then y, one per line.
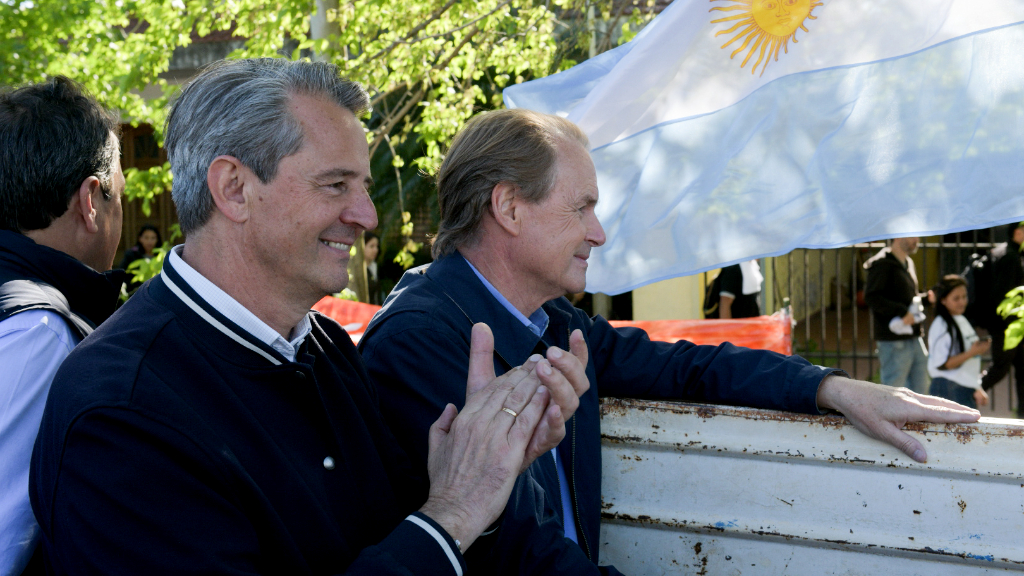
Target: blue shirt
pixel 538 323
pixel 32 346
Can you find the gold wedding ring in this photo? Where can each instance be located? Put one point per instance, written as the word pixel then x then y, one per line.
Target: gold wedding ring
pixel 510 411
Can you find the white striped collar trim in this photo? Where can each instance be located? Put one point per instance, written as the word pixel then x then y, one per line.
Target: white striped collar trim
pixel 242 320
pixel 440 540
pixel 214 322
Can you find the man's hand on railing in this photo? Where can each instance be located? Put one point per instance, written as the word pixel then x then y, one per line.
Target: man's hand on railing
pixel 881 411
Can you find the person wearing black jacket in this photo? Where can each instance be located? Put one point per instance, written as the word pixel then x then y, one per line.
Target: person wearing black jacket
pixel 892 294
pixel 60 222
pixel 1007 274
pixel 215 425
pixel 517 192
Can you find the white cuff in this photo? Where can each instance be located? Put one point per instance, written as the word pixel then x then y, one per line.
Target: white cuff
pixel 440 540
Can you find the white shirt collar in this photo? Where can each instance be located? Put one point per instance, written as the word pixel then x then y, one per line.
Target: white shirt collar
pixel 234 311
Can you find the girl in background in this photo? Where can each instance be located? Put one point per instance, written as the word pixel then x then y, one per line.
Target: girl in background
pixel 954 347
pixel 371 249
pixel 146 241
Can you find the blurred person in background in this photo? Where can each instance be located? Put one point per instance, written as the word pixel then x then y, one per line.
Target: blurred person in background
pixel 371 249
pixel 892 295
pixel 1007 274
pixel 734 293
pixel 146 241
pixel 954 361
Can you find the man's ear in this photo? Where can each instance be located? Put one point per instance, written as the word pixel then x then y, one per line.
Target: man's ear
pixel 84 203
pixel 226 179
pixel 506 207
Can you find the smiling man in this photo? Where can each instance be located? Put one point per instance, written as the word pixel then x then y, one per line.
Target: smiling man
pixel 517 192
pixel 216 425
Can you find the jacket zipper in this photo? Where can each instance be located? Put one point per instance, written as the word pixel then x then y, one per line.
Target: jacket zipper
pixel 572 479
pixel 575 502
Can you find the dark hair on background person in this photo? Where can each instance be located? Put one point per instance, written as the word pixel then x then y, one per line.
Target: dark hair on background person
pixel 52 137
pixel 516 146
pixel 949 283
pixel 145 228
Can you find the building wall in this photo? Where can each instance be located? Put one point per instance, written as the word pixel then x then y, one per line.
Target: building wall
pixel 675 299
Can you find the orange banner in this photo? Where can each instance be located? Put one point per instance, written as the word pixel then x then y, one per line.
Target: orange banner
pixel 353 316
pixel 764 332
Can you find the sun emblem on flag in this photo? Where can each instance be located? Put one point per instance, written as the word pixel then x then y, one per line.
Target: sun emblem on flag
pixel 770 24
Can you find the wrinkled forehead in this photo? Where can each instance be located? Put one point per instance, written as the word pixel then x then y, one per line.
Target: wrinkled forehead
pixel 575 169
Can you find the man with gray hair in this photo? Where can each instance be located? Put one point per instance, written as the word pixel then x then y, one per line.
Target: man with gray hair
pixel 216 425
pixel 517 192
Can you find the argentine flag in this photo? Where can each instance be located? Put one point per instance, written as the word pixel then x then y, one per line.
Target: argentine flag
pixel 735 129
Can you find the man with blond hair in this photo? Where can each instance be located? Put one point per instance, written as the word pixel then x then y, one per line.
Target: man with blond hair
pixel 517 193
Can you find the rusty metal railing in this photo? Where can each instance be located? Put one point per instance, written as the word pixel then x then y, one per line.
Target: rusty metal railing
pixel 697 489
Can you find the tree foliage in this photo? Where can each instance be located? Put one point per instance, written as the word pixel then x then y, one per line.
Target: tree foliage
pixel 428 64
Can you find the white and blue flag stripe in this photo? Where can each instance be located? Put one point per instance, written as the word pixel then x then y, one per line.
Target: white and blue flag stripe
pixel 869 120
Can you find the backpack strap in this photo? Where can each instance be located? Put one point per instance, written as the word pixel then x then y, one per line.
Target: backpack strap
pixel 22 295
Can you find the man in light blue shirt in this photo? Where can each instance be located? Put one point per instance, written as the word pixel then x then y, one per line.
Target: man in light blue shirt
pixel 60 222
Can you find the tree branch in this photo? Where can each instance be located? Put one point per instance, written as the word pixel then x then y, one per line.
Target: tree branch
pixel 606 42
pixel 416 29
pixel 389 123
pixel 454 30
pixel 455 52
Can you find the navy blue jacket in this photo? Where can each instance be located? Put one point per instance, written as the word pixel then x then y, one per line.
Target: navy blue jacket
pixel 417 350
pixel 36 277
pixel 173 442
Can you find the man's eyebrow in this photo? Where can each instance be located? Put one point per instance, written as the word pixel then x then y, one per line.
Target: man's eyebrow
pixel 335 174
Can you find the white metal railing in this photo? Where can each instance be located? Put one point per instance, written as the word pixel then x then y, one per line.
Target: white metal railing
pixel 697 489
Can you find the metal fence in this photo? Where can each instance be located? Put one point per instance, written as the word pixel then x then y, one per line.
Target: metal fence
pixel 825 291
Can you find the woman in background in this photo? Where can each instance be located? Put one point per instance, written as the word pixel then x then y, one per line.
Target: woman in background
pixel 954 347
pixel 371 249
pixel 146 241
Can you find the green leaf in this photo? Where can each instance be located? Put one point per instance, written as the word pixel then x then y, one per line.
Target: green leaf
pixel 1014 334
pixel 428 65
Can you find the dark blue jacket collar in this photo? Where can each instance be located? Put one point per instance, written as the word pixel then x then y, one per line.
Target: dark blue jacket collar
pixel 33 276
pixel 453 281
pixel 513 341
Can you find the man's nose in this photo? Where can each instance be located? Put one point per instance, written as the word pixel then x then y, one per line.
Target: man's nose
pixel 595 232
pixel 362 213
